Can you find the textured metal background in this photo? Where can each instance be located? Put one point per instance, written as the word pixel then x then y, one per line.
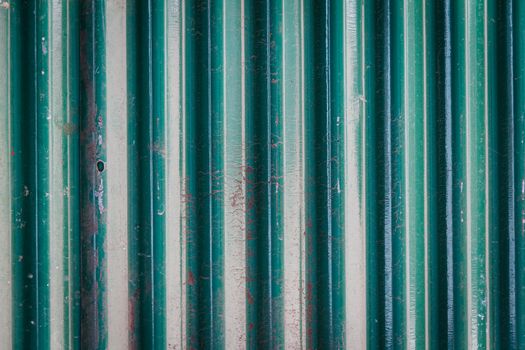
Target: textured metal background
pixel 262 174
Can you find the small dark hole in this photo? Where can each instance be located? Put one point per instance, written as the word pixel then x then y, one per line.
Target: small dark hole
pixel 100 166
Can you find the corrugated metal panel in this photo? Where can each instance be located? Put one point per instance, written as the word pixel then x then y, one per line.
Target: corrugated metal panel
pixel 262 174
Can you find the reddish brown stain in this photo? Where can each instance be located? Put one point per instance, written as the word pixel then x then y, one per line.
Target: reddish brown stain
pixel 69 128
pixel 309 313
pixel 93 320
pixel 309 223
pixel 132 306
pixel 191 278
pixel 250 298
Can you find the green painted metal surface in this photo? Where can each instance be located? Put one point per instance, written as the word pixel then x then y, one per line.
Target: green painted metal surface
pixel 186 174
pixel 92 132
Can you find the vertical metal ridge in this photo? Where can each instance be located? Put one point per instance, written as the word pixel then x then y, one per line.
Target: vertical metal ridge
pixel 264 177
pixel 435 321
pixel 502 306
pixel 400 209
pixel 148 162
pixel 70 162
pixel 470 108
pixel 408 161
pixel 378 174
pixel 93 190
pixel 441 257
pixel 42 258
pixel 204 172
pixel 324 176
pixel 30 101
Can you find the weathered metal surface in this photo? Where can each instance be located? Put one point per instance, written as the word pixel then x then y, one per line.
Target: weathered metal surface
pixel 262 174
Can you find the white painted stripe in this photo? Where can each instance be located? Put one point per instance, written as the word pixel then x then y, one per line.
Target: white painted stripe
pixel 234 177
pixel 181 240
pixel 294 211
pixel 364 178
pixel 5 182
pixel 175 312
pixel 116 163
pixel 53 51
pixel 355 240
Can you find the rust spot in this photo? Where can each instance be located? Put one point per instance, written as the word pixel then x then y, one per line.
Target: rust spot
pixel 250 298
pixel 237 196
pixel 70 128
pixel 191 278
pixel 132 305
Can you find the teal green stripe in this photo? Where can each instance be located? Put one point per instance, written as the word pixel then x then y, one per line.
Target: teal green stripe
pixel 374 307
pixel 378 173
pixel 93 187
pixel 400 149
pixel 264 173
pixel 39 165
pixel 30 145
pixel 435 253
pixel 408 169
pixel 497 239
pixel 441 249
pixel 147 179
pixel 469 163
pixel 324 138
pixel 40 172
pixel 503 325
pixel 204 173
pixel 461 322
